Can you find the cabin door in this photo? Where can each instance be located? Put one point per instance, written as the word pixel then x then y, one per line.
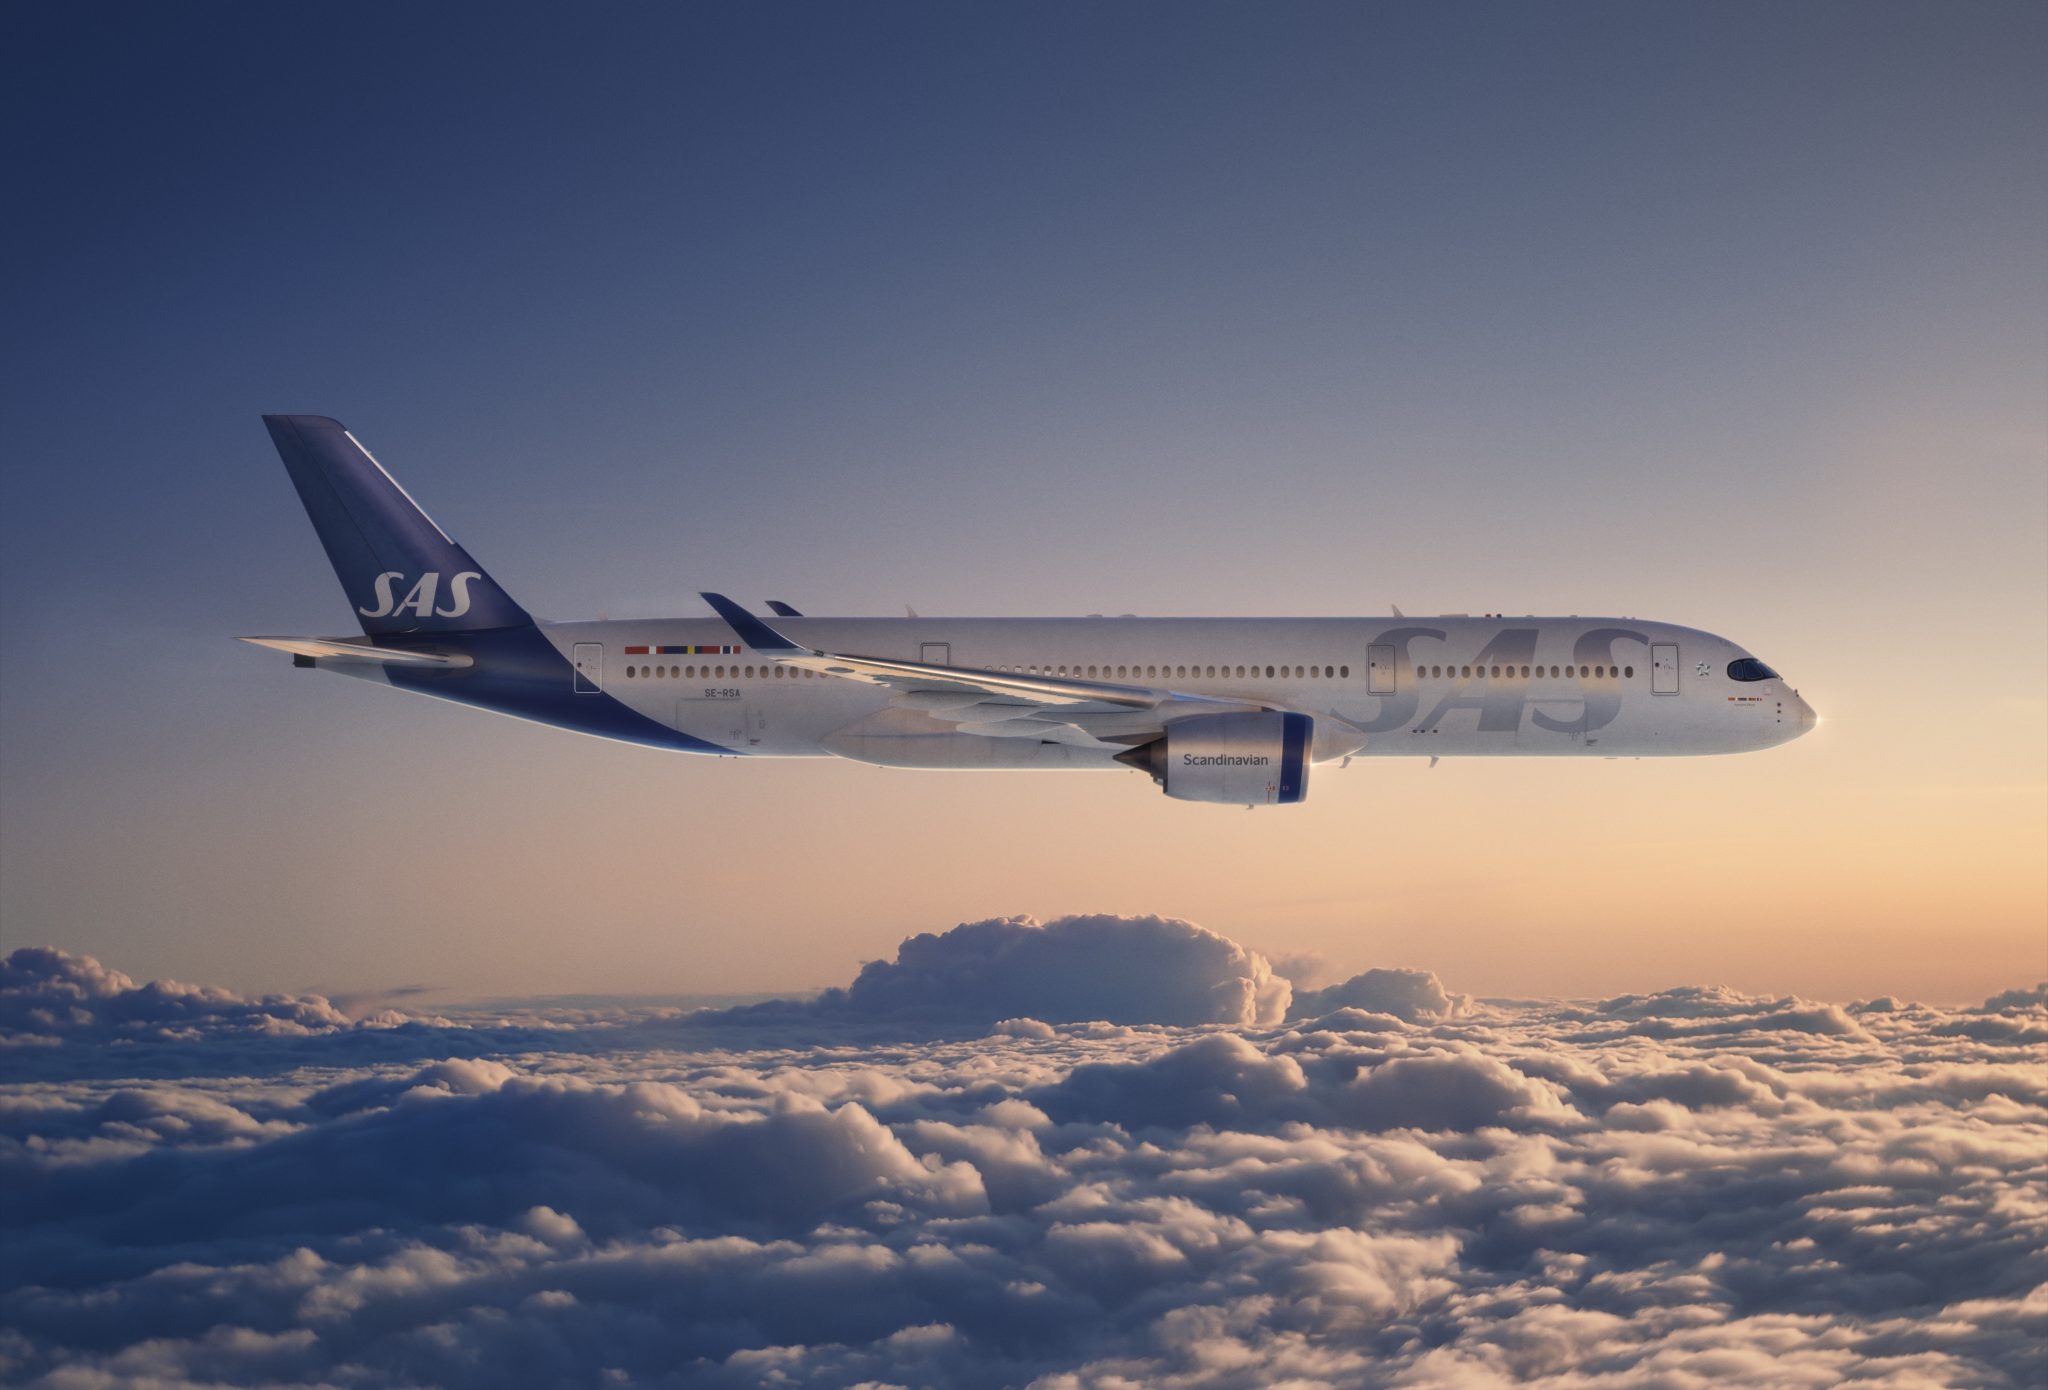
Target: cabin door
pixel 1664 669
pixel 589 677
pixel 1379 670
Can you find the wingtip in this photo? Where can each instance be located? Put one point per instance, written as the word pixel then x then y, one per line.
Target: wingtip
pixel 751 630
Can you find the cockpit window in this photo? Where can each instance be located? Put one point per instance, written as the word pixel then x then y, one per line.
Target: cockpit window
pixel 1748 668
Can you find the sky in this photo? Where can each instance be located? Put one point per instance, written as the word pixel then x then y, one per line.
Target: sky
pixel 1728 315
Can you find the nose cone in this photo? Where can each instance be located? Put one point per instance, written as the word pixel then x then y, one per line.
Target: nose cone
pixel 1807 718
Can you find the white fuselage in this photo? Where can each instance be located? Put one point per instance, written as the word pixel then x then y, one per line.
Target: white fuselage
pixel 1446 686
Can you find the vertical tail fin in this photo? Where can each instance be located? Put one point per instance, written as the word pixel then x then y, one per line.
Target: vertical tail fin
pixel 400 571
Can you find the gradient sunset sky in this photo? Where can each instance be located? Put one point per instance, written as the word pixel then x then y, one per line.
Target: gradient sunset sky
pixel 1731 315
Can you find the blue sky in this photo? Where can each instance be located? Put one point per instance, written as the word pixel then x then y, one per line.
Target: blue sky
pixel 1729 314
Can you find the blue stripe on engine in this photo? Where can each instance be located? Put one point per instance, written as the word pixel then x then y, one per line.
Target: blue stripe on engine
pixel 1294 734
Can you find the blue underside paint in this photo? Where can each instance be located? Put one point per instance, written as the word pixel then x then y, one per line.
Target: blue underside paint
pixel 1294 735
pixel 518 671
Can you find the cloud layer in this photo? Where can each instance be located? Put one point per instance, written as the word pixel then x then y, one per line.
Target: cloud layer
pixel 1147 1179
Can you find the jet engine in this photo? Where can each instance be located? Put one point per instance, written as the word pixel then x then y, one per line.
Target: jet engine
pixel 1250 759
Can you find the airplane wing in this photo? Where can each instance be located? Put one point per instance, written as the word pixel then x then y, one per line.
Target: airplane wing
pixel 994 703
pixel 343 649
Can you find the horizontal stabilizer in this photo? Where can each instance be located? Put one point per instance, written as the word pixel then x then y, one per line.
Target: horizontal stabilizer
pixel 342 649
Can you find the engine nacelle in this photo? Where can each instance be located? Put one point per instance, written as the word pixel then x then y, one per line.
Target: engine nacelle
pixel 1252 759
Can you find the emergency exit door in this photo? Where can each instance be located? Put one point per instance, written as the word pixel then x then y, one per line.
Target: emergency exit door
pixel 589 663
pixel 1664 669
pixel 935 653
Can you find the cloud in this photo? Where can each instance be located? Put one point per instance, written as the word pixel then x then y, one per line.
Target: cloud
pixel 1046 1184
pixel 1070 970
pixel 2033 999
pixel 1701 1010
pixel 47 994
pixel 1409 995
pixel 1227 1081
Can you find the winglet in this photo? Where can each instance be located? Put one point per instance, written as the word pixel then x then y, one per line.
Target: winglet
pixel 752 631
pixel 781 609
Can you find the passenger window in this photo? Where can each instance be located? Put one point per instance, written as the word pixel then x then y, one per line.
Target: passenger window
pixel 1344 671
pixel 1630 672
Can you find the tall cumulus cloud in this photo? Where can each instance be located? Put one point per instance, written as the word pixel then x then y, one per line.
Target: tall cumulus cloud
pixel 1070 970
pixel 1099 1152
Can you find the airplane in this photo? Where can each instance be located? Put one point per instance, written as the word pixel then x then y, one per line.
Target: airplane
pixel 1228 710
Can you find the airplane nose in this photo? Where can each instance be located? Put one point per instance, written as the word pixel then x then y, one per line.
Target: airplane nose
pixel 1807 718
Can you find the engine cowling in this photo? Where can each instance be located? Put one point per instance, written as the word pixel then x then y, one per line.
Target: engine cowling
pixel 1252 759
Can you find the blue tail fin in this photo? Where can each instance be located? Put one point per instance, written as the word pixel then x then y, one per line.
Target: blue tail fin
pixel 401 572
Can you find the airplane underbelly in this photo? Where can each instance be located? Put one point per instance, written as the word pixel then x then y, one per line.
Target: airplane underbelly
pixel 969 753
pixel 895 737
